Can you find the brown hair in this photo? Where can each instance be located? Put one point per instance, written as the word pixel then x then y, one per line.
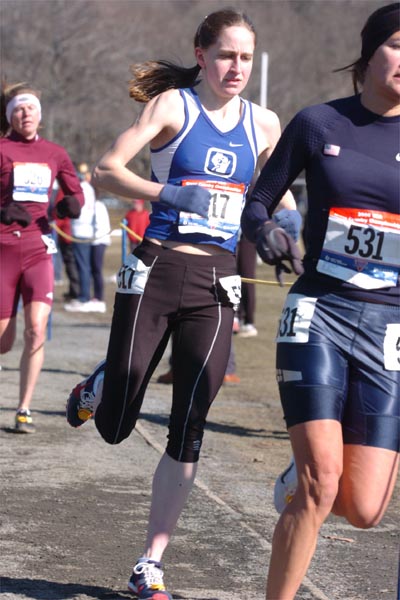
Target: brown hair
pixel 8 91
pixel 153 77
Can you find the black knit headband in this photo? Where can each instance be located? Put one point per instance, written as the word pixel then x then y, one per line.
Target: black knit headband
pixel 382 24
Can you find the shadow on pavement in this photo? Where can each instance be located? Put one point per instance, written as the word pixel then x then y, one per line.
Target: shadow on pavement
pixel 221 428
pixel 41 589
pixel 47 370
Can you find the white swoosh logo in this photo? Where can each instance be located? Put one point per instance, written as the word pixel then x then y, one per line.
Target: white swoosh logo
pixel 232 145
pixel 398 157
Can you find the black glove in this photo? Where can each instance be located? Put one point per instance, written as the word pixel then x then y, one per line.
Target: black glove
pixel 290 221
pixel 15 213
pixel 68 207
pixel 190 198
pixel 274 245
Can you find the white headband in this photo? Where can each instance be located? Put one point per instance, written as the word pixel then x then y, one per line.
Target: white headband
pixel 22 99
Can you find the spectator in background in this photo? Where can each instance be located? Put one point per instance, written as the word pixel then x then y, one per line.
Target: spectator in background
pixel 246 264
pixel 101 240
pixel 82 231
pixel 29 166
pixel 65 247
pixel 57 258
pixel 137 220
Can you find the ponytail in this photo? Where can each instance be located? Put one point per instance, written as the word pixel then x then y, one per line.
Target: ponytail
pixel 153 77
pixel 357 70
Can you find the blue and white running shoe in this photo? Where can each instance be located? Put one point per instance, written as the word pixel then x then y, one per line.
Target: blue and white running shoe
pixel 147 581
pixel 285 487
pixel 80 404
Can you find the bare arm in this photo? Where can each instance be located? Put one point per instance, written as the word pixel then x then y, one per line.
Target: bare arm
pixel 162 117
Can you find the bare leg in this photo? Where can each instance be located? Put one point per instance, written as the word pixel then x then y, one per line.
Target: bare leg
pixel 8 330
pixel 172 484
pixel 317 447
pixel 366 486
pixel 36 317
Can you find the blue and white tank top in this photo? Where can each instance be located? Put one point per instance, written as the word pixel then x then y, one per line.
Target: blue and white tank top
pixel 222 162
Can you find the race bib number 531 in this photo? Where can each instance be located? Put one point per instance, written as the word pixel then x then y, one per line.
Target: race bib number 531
pixel 362 247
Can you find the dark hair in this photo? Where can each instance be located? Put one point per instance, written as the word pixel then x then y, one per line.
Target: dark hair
pixel 8 91
pixel 380 25
pixel 153 77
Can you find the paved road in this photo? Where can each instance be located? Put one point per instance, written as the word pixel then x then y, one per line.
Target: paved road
pixel 74 509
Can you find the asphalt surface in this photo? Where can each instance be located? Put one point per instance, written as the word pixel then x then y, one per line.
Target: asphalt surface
pixel 74 510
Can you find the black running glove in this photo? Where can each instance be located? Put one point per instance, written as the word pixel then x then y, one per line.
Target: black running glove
pixel 189 198
pixel 15 213
pixel 68 207
pixel 274 246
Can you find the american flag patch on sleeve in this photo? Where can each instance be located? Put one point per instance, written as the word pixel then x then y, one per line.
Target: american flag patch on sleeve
pixel 331 150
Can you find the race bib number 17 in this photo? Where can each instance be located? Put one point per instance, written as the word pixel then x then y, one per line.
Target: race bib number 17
pixel 227 200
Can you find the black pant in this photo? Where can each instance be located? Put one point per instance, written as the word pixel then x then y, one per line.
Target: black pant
pixel 71 269
pixel 96 263
pixel 246 264
pixel 168 292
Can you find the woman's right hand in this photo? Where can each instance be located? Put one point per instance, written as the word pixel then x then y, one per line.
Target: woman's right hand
pixel 190 198
pixel 15 213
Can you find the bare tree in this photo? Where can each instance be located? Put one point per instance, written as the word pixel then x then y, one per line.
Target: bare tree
pixel 78 53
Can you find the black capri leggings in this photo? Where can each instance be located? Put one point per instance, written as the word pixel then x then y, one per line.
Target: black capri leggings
pixel 160 292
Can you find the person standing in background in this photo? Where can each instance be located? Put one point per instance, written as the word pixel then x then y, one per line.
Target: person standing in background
pixel 137 220
pixel 82 231
pixel 246 265
pixel 29 165
pixel 57 258
pixel 64 244
pixel 99 245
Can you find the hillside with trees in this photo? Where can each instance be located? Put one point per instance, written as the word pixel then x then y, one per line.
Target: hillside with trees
pixel 78 53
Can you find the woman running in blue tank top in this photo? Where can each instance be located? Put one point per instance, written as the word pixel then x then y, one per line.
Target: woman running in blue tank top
pixel 206 143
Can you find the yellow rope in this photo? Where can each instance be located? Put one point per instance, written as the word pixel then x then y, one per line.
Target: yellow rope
pixel 264 281
pixel 132 233
pixel 244 279
pixel 70 238
pixel 135 235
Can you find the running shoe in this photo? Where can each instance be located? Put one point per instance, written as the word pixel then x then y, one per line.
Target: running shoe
pixel 80 405
pixel 247 330
pixel 285 487
pixel 97 306
pixel 147 581
pixel 83 307
pixel 23 422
